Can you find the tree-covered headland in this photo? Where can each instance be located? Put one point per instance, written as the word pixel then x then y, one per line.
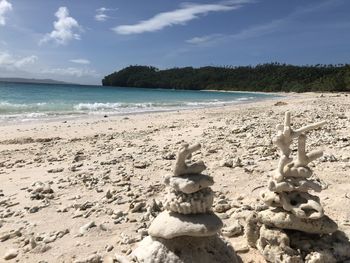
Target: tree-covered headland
pixel 265 77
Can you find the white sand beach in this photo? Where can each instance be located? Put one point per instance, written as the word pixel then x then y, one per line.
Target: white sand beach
pixel 99 176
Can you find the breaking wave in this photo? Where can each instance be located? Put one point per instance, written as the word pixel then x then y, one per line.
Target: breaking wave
pixel 38 102
pixel 97 106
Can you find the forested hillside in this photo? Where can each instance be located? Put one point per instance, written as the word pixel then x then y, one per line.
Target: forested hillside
pixel 265 77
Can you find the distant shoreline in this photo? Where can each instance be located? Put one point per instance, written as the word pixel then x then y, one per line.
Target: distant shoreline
pixel 254 92
pixel 34 81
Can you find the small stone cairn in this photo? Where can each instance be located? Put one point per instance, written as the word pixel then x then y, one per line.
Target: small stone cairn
pixel 187 231
pixel 294 228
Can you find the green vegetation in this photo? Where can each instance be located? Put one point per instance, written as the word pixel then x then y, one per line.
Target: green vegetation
pixel 265 77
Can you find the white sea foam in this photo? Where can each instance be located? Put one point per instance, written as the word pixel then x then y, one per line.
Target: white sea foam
pixel 125 107
pixel 97 106
pixel 43 110
pixel 245 98
pixel 4 105
pixel 18 107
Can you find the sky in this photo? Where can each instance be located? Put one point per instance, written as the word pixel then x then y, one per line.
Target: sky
pixel 81 41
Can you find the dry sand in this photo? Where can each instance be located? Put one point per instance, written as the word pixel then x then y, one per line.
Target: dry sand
pixel 72 189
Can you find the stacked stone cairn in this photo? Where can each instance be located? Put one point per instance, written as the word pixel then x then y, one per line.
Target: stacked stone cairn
pixel 187 231
pixel 294 228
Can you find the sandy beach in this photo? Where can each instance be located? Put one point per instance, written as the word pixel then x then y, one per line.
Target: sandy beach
pixel 100 180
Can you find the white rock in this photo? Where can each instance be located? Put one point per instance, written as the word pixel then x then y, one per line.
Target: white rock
pixel 193 249
pixel 169 225
pixel 285 220
pixel 95 258
pixel 191 183
pixel 233 230
pixel 85 227
pixel 10 254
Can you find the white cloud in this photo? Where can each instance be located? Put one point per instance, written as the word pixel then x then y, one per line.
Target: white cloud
pixel 251 32
pixel 281 24
pixel 101 17
pixel 260 30
pixel 26 61
pixel 72 72
pixel 284 24
pixel 204 40
pixel 5 7
pixel 80 61
pixel 179 16
pixel 66 28
pixel 101 13
pixel 11 62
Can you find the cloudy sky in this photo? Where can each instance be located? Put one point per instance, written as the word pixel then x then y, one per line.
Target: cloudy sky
pixel 81 41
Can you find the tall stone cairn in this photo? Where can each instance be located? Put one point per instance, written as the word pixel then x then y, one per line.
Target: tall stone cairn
pixel 187 231
pixel 294 228
pixel 289 188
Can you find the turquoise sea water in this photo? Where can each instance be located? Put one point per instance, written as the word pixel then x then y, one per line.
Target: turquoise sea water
pixel 28 102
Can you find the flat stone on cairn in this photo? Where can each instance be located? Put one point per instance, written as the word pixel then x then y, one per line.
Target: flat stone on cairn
pixel 169 225
pixel 189 185
pixel 283 220
pixel 295 216
pixel 187 231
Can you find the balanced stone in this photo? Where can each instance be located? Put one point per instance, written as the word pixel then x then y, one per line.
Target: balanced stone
pixel 185 250
pixel 195 203
pixel 294 184
pixel 169 225
pixel 285 220
pixel 182 167
pixel 189 184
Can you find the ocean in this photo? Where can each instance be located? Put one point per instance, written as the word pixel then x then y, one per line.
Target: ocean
pixel 30 102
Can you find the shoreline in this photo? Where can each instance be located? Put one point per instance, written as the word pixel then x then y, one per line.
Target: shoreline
pixel 99 115
pixel 255 92
pixel 68 123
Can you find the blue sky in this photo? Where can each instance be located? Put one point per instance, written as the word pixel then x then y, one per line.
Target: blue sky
pixel 81 41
